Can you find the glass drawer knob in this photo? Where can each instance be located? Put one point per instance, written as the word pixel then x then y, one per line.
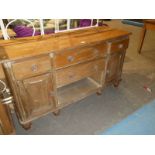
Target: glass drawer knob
pixel 70 58
pixel 108 71
pixel 34 68
pixel 120 45
pixel 71 76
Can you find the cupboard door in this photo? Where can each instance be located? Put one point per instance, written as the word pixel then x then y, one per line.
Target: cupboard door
pixel 37 96
pixel 114 66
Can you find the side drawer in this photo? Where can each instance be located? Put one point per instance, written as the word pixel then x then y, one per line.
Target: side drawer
pixel 31 67
pixel 79 55
pixel 77 72
pixel 119 45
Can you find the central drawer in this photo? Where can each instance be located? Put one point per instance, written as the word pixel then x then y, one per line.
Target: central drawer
pixel 69 57
pixel 79 71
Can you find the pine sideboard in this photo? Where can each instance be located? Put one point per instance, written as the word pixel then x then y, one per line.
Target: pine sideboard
pixel 47 73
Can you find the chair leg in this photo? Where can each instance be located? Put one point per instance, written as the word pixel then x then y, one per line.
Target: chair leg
pixel 141 39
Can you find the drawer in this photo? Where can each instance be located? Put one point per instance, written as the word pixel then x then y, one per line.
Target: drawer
pixel 78 72
pixel 119 45
pixel 31 67
pixel 83 54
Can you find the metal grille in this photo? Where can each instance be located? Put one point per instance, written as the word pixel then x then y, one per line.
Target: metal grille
pixel 42 30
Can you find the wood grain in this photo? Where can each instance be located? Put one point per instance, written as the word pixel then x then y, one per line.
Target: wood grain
pixel 37 96
pixel 6 125
pixel 78 72
pixel 2 75
pixel 76 91
pixel 47 73
pixel 31 46
pixel 79 55
pixel 148 25
pixel 31 67
pixel 119 45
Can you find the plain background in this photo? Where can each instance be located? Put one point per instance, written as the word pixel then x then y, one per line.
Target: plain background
pixel 74 9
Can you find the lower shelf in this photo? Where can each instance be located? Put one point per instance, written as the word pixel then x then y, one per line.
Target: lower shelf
pixel 77 91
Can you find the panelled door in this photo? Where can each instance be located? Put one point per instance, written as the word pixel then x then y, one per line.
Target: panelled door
pixel 36 95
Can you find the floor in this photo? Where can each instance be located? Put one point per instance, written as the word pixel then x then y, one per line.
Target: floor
pixel 141 122
pixel 95 114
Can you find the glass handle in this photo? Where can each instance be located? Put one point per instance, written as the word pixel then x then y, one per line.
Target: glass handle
pixel 70 58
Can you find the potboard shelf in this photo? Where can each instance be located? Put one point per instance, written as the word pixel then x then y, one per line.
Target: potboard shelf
pixel 77 91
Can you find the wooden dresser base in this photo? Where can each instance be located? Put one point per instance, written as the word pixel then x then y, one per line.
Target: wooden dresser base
pixel 51 73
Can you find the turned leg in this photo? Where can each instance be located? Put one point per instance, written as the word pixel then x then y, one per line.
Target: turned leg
pixel 99 92
pixel 56 113
pixel 116 83
pixel 27 126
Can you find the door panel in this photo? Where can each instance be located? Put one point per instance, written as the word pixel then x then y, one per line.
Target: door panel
pixel 114 66
pixel 37 95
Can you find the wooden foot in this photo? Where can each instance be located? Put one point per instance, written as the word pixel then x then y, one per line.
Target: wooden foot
pixel 56 113
pixel 116 84
pixel 27 126
pixel 99 92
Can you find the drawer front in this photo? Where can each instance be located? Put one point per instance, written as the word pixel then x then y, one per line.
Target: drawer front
pixel 31 67
pixel 119 45
pixel 77 72
pixel 70 57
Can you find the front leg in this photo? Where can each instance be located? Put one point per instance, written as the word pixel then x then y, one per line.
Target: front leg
pixel 116 83
pixel 27 126
pixel 56 113
pixel 99 92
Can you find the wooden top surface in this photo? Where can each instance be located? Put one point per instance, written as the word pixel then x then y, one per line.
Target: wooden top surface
pixel 151 21
pixel 31 46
